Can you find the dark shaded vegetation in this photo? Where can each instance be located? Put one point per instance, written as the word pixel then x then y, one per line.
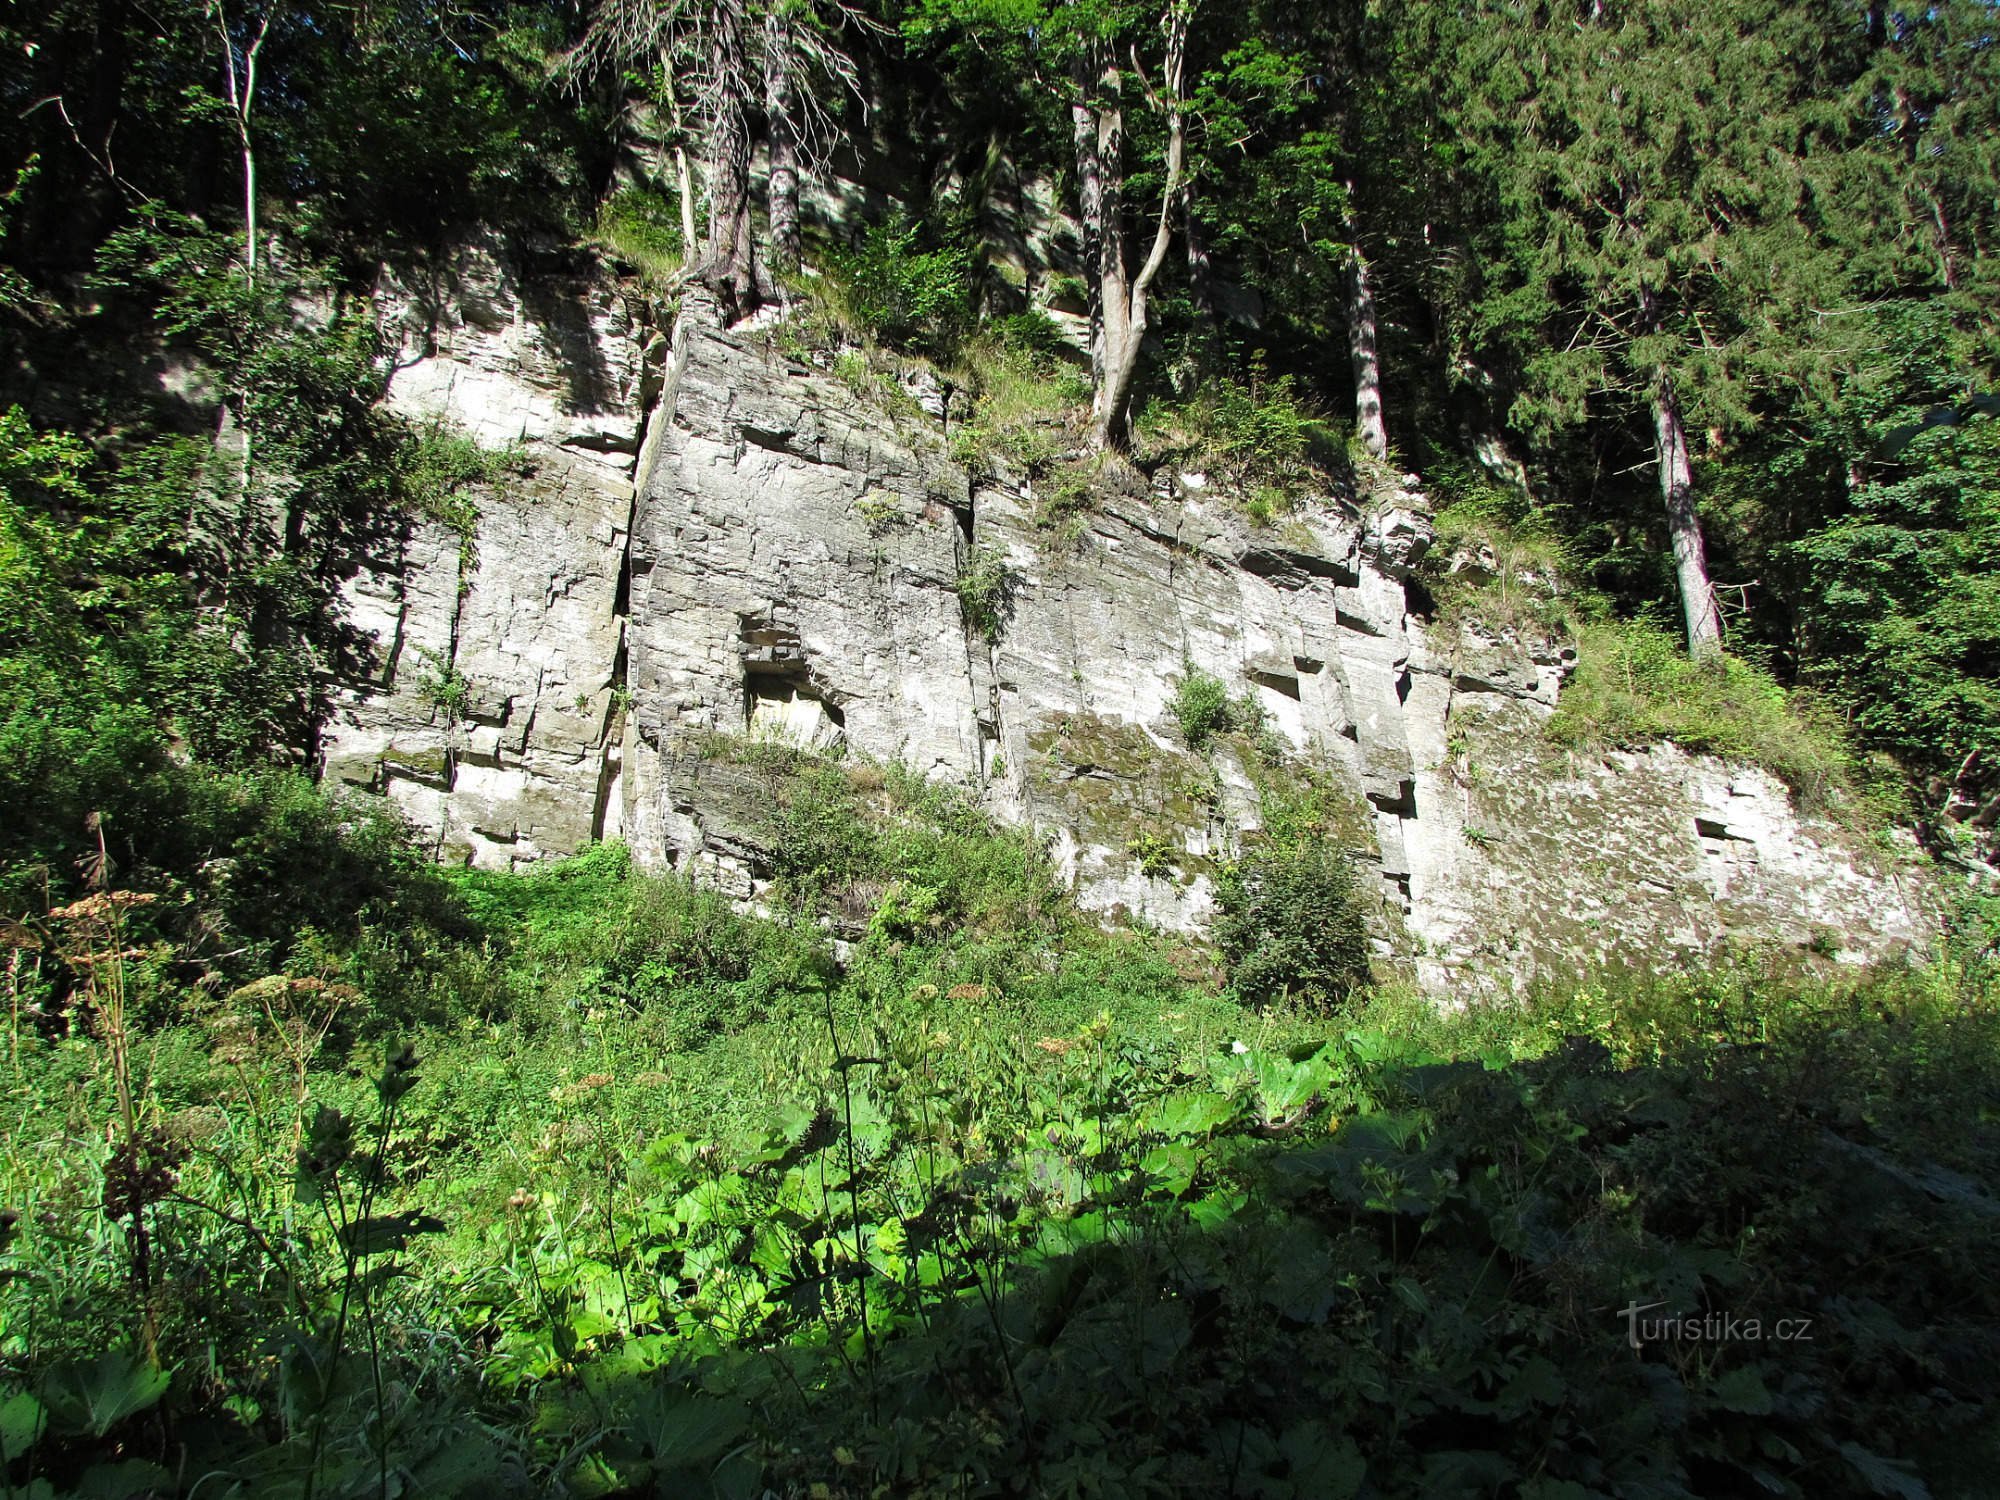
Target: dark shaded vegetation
pixel 580 1182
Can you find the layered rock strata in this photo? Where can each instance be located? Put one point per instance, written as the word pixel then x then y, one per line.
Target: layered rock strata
pixel 719 539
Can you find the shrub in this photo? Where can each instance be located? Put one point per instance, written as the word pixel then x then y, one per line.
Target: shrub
pixel 985 588
pixel 1260 430
pixel 1513 572
pixel 1027 396
pixel 1202 708
pixel 1293 923
pixel 644 229
pixel 907 286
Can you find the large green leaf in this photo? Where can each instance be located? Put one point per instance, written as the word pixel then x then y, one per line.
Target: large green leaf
pixel 22 1422
pixel 92 1398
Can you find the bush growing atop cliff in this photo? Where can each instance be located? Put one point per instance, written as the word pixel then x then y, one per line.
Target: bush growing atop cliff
pixel 1495 560
pixel 907 284
pixel 1259 428
pixel 643 228
pixel 1027 395
pixel 1294 924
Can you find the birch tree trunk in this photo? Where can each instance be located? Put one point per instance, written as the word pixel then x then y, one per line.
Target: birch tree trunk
pixel 683 173
pixel 1089 198
pixel 780 62
pixel 1112 360
pixel 240 87
pixel 1200 267
pixel 1704 621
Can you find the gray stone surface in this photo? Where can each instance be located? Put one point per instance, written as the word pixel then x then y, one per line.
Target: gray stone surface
pixel 526 613
pixel 783 560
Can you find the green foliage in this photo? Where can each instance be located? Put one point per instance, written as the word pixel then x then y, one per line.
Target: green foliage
pixel 1203 708
pixel 1154 853
pixel 1634 686
pixel 907 285
pixel 1900 605
pixel 1254 1245
pixel 1258 431
pixel 1294 924
pixel 643 228
pixel 985 587
pixel 1027 399
pixel 1498 563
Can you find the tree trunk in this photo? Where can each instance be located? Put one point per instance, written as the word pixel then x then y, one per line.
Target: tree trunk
pixel 1364 355
pixel 1123 294
pixel 249 206
pixel 240 81
pixel 1200 268
pixel 1114 356
pixel 683 173
pixel 780 61
pixel 1704 621
pixel 1089 200
pixel 729 264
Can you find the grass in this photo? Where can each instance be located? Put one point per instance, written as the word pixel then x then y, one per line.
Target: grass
pixel 1496 564
pixel 642 228
pixel 1266 443
pixel 1634 686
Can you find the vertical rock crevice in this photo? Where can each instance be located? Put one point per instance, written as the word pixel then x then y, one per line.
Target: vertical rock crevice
pixel 714 554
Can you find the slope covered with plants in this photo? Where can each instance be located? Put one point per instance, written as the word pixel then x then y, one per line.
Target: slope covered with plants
pixel 581 1183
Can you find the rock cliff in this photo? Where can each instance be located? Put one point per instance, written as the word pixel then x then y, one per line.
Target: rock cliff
pixel 713 538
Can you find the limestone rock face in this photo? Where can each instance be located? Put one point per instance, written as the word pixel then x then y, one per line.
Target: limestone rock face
pixel 731 542
pixel 485 709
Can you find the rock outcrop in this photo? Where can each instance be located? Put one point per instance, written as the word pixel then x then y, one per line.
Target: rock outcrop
pixel 720 539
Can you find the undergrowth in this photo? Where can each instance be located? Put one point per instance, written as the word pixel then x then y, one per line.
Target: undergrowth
pixel 582 1182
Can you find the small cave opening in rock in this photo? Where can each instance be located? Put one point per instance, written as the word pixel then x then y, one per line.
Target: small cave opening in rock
pixel 1403 686
pixel 1283 683
pixel 963 515
pixel 621 603
pixel 781 697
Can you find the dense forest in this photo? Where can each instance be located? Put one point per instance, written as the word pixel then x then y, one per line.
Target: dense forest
pixel 330 1171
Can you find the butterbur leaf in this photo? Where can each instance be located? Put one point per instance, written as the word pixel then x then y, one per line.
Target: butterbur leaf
pixel 22 1421
pixel 387 1232
pixel 1323 1466
pixel 1213 1210
pixel 130 1480
pixel 1538 1382
pixel 1885 1476
pixel 91 1399
pixel 1191 1114
pixel 1472 1472
pixel 681 1429
pixel 458 1464
pixel 1743 1390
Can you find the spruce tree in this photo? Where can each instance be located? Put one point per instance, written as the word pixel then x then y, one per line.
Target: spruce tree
pixel 1655 246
